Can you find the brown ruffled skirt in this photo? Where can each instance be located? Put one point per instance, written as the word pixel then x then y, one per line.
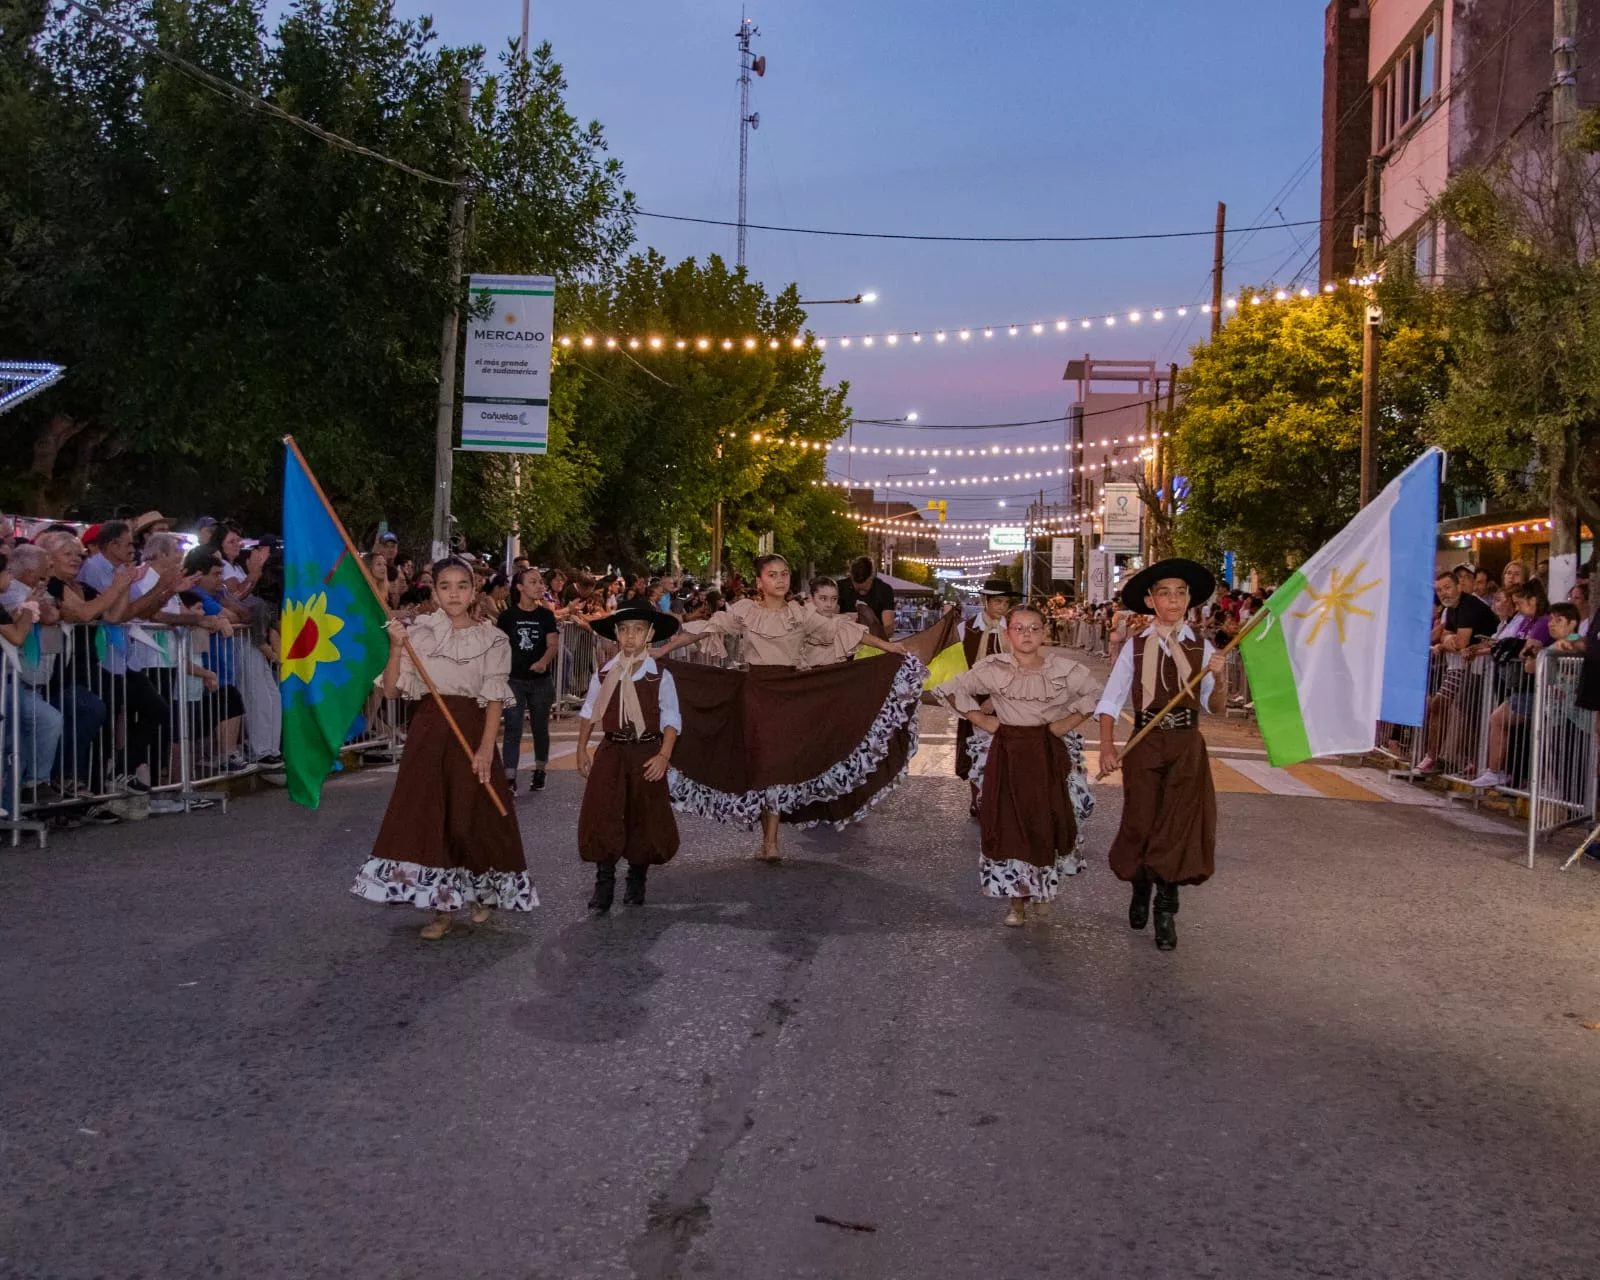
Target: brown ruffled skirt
pixel 813 746
pixel 1025 811
pixel 624 816
pixel 442 844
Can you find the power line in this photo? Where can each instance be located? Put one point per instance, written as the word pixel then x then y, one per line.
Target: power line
pixel 226 89
pixel 896 235
pixel 1002 426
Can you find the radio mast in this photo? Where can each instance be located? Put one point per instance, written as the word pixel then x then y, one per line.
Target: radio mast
pixel 748 120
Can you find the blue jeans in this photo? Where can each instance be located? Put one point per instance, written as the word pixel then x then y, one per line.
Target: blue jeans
pixel 38 736
pixel 538 695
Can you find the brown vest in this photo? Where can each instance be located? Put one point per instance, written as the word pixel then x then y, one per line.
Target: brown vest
pixel 973 644
pixel 649 691
pixel 1167 682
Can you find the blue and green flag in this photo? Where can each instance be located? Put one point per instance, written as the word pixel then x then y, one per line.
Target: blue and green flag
pixel 331 635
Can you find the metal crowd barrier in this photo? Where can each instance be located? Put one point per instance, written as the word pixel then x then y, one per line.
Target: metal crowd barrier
pixel 121 721
pixel 1560 751
pixel 1238 684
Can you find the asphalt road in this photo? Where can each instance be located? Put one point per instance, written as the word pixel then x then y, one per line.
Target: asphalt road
pixel 1366 1059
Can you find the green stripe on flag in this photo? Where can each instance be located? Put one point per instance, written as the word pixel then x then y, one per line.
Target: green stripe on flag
pixel 1277 701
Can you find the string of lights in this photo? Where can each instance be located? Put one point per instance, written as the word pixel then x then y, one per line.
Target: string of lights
pixel 985 451
pixel 887 524
pixel 751 344
pixel 935 481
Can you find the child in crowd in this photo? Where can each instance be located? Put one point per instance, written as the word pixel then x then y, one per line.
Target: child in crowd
pixel 842 644
pixel 627 812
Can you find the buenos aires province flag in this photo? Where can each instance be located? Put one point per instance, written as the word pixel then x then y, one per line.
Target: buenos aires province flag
pixel 1344 643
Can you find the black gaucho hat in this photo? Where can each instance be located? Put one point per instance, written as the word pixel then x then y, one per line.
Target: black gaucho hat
pixel 662 625
pixel 997 587
pixel 1200 579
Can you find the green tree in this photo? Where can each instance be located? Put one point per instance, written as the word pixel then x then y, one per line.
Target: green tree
pixel 1522 412
pixel 215 278
pixel 1268 430
pixel 656 439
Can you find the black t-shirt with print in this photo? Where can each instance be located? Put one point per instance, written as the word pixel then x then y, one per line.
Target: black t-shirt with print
pixel 879 596
pixel 529 631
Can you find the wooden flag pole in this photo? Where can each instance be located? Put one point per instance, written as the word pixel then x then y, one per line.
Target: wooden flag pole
pixel 350 550
pixel 1192 684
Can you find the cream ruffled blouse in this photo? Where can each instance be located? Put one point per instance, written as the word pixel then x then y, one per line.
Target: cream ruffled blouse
pixel 777 637
pixel 465 662
pixel 1061 687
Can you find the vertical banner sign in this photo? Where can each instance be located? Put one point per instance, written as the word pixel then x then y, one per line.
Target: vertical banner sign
pixel 505 395
pixel 1099 577
pixel 1061 558
pixel 1124 518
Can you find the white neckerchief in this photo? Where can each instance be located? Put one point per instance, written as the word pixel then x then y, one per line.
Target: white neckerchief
pixel 1152 658
pixel 619 673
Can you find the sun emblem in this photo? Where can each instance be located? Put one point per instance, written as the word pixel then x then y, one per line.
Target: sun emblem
pixel 1337 601
pixel 308 630
pixel 511 318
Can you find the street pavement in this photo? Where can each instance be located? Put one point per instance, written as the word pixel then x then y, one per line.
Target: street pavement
pixel 1367 1058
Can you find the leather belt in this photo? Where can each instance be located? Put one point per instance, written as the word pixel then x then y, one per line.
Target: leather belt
pixel 1183 718
pixel 624 737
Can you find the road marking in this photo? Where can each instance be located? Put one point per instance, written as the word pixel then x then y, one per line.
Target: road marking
pixel 1330 783
pixel 1274 780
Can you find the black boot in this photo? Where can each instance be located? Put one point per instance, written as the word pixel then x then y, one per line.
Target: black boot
pixel 1139 907
pixel 1167 916
pixel 633 894
pixel 605 887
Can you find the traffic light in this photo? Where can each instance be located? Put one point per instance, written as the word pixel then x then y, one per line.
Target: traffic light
pixel 939 506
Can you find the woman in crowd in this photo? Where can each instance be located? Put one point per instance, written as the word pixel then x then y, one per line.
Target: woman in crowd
pixel 1033 795
pixel 443 843
pixel 1524 630
pixel 781 745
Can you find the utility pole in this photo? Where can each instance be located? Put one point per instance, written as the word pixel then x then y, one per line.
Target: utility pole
pixel 1564 523
pixel 444 425
pixel 1216 270
pixel 524 30
pixel 1372 228
pixel 747 120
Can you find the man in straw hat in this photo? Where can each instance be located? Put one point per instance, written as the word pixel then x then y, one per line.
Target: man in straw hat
pixel 1169 808
pixel 981 637
pixel 627 811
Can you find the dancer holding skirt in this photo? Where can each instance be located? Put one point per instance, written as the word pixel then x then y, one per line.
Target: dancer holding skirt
pixel 1030 779
pixel 443 844
pixel 778 744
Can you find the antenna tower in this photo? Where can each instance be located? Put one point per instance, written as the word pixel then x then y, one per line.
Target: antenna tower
pixel 748 120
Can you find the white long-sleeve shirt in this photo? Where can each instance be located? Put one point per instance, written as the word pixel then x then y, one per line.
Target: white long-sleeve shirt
pixel 671 717
pixel 1120 685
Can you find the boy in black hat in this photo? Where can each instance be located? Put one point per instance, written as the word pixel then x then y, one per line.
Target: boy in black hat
pixel 980 638
pixel 627 812
pixel 1169 807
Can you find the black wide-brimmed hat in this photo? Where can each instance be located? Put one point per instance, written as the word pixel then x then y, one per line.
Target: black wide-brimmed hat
pixel 996 587
pixel 662 625
pixel 1202 582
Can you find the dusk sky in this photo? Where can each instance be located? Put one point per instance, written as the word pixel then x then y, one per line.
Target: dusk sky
pixel 1028 118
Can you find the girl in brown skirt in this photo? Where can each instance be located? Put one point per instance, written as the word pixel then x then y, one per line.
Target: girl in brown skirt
pixel 443 844
pixel 627 812
pixel 1026 810
pixel 776 743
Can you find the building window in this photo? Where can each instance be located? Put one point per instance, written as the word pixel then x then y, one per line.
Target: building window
pixel 1408 89
pixel 1425 259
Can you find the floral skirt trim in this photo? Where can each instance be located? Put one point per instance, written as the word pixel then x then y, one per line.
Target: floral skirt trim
pixel 1077 779
pixel 898 713
pixel 1013 878
pixel 443 888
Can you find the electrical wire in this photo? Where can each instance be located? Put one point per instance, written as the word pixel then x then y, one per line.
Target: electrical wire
pixel 895 235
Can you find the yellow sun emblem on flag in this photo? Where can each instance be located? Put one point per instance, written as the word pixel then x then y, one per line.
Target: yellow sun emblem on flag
pixel 1337 601
pixel 307 633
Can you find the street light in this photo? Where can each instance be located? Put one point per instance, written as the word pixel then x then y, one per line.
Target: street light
pixel 839 302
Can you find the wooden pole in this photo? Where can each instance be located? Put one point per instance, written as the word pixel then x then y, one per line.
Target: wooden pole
pixel 1188 688
pixel 1216 270
pixel 350 550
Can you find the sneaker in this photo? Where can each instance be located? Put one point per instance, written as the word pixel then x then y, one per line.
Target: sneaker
pixel 129 782
pixel 238 762
pixel 1428 765
pixel 131 808
pixel 160 803
pixel 1488 778
pixel 102 816
pixel 538 780
pixel 271 760
pixel 511 784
